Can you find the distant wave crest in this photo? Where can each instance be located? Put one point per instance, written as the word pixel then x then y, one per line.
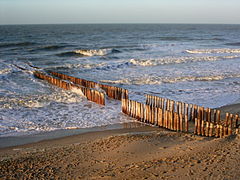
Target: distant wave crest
pixel 177 60
pixel 5 71
pixel 211 51
pixel 158 80
pixel 90 52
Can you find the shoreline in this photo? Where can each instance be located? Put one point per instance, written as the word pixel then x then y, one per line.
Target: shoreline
pixel 11 141
pixel 133 151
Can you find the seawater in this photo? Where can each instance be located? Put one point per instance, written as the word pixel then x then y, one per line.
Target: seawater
pixel 196 64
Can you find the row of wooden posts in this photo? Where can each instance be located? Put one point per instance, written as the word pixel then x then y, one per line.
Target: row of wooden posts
pixel 162 112
pixel 92 90
pixel 91 94
pixel 176 116
pixel 111 91
pixel 155 115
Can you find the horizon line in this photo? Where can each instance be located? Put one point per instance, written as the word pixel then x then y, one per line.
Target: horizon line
pixel 118 23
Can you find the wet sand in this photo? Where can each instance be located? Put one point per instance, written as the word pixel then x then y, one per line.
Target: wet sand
pixel 141 152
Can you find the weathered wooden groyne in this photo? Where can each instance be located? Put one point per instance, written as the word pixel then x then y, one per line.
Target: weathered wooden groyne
pixel 177 116
pixel 157 111
pixel 111 91
pixel 91 94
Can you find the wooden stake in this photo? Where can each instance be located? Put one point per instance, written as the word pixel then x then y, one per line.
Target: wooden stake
pixel 181 122
pixel 221 131
pixel 230 125
pixel 211 129
pixel 196 126
pixel 199 126
pixel 160 117
pixel 226 125
pixel 203 127
pixel 186 123
pixel 178 122
pixel 236 123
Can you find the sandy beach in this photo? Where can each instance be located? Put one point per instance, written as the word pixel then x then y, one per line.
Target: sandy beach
pixel 137 152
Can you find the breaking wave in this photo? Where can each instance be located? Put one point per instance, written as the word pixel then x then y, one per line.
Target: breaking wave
pixel 75 66
pixel 210 51
pixel 159 80
pixel 176 60
pixel 5 71
pixel 90 52
pixel 40 100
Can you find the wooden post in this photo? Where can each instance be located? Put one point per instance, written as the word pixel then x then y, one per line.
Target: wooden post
pixel 199 126
pixel 218 121
pixel 142 112
pixel 177 107
pixel 178 122
pixel 156 116
pixel 165 119
pixel 203 127
pixel 221 131
pixel 226 125
pixel 236 123
pixel 160 117
pixel 103 98
pixel 148 114
pixel 181 121
pixel 183 109
pixel 230 125
pixel 190 113
pixel 145 113
pixel 152 113
pixel 180 108
pixel 146 98
pixel 169 119
pixel 211 129
pixel 172 120
pixel 196 126
pixel 186 123
pixel 175 121
pixel 187 110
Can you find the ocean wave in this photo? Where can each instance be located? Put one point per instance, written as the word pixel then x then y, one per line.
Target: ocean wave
pixel 76 66
pixel 90 52
pixel 5 71
pixel 41 100
pixel 70 54
pixel 178 60
pixel 233 44
pixel 159 80
pixel 210 51
pixel 96 52
pixel 51 47
pixel 5 45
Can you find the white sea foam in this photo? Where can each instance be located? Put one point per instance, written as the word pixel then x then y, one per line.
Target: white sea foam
pixel 77 91
pixel 71 115
pixel 178 60
pixel 210 51
pixel 85 66
pixel 158 80
pixel 93 52
pixel 5 71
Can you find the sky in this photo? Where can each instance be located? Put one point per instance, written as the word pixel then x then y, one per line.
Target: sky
pixel 119 11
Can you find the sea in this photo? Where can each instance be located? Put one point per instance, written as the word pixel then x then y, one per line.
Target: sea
pixel 193 63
